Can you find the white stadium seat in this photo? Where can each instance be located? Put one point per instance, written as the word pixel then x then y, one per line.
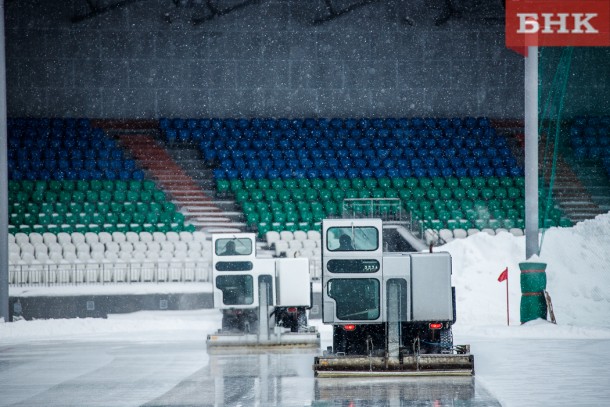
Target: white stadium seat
pixel 199 236
pixel 280 247
pixel 63 238
pixel 36 238
pixel 49 238
pixel 195 246
pixel 286 235
pixel 91 238
pixel 172 237
pixel 21 238
pixel 159 237
pixel 186 236
pixel 460 233
pixel 105 237
pixel 516 231
pixel 132 237
pixel 446 235
pixel 119 237
pixel 314 235
pixel 146 237
pixel 300 235
pixel 78 238
pixel 153 246
pixel 295 244
pixel 271 237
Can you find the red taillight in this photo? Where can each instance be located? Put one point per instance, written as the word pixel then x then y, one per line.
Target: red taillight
pixel 292 309
pixel 435 325
pixel 349 327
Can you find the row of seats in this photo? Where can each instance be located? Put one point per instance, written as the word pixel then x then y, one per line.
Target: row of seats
pixel 38 132
pixel 442 236
pixel 81 185
pixel 104 237
pixel 108 257
pixel 327 173
pixel 91 205
pixel 337 123
pixel 376 151
pixel 106 227
pixel 590 139
pixel 56 149
pixel 73 174
pixel 233 186
pixel 133 270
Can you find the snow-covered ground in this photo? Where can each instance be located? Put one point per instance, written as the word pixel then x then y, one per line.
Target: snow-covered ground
pixel 563 364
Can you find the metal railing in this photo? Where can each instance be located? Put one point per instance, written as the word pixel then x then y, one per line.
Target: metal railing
pixel 387 209
pixel 110 273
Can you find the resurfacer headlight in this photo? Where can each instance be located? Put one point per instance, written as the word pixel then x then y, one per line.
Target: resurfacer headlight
pixel 436 325
pixel 349 327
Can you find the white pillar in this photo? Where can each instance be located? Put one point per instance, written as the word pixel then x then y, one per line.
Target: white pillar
pixel 531 152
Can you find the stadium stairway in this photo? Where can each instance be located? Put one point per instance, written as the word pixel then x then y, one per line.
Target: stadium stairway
pixel 573 198
pixel 199 208
pixel 594 178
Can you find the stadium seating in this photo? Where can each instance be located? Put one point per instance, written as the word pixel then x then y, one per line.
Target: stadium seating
pixel 69 258
pixel 66 176
pixel 289 174
pixel 590 139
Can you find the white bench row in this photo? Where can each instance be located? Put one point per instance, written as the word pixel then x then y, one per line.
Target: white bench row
pixel 91 272
pixel 105 237
pixel 286 235
pixel 447 235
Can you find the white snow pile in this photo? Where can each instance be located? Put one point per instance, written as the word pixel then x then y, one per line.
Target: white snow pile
pixel 578 276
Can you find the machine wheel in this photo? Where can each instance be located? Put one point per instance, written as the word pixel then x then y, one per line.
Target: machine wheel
pixel 229 322
pixel 301 320
pixel 446 340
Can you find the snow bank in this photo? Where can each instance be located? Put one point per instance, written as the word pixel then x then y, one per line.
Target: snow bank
pixel 578 271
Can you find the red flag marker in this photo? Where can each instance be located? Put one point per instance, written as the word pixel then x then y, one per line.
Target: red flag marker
pixel 504 276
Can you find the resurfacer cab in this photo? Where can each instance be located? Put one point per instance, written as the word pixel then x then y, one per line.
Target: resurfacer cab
pixel 391 311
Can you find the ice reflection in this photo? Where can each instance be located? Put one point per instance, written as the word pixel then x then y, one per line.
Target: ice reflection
pixel 274 378
pixel 265 379
pixel 404 391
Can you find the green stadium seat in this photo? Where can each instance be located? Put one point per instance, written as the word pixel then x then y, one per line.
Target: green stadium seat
pixel 411 183
pixel 304 183
pixel 466 183
pixel 263 228
pixel 384 183
pixel 445 193
pixel 331 183
pixel 311 194
pixel 487 193
pixel 432 193
pixel 236 185
pixel 250 184
pixel 459 193
pixel 418 193
pixel 223 186
pixel 398 183
pixel 438 182
pixel 264 183
pixel 291 184
pixel 391 193
pixel 277 183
